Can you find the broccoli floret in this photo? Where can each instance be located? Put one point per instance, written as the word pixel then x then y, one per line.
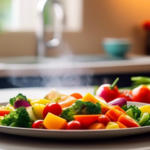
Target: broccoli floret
pixel 18 97
pixel 136 112
pixel 17 118
pixel 81 107
pixel 68 114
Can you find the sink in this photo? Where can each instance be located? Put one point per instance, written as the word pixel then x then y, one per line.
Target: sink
pixel 58 60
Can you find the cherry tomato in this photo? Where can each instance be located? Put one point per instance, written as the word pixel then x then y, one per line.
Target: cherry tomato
pixel 77 95
pixel 73 125
pixel 141 94
pixel 104 119
pixel 53 108
pixel 38 124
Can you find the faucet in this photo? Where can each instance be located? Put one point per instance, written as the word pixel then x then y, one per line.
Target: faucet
pixel 42 44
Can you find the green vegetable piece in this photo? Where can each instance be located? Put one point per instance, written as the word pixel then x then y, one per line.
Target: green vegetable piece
pixel 17 118
pixel 144 119
pixel 124 107
pixel 129 112
pixel 135 111
pixel 80 107
pixel 18 97
pixel 147 123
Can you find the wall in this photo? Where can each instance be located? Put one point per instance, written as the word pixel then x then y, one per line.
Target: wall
pixel 102 18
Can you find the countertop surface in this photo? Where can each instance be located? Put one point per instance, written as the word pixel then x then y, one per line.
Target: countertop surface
pixel 12 142
pixel 88 64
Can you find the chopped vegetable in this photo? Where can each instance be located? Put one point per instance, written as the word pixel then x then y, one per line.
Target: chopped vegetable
pixel 81 107
pixel 18 97
pixel 121 125
pixel 17 118
pixel 4 112
pixel 128 121
pixel 114 114
pixel 143 119
pixel 77 95
pixel 73 125
pixel 38 124
pixel 38 110
pixel 112 125
pixel 53 108
pixel 97 126
pixel 40 101
pixel 103 119
pixel 133 111
pixel 145 108
pixel 52 121
pixel 20 103
pixel 86 120
pixel 119 101
pixel 66 101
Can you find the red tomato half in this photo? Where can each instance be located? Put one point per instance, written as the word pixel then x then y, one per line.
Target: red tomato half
pixel 38 124
pixel 53 108
pixel 74 125
pixel 103 119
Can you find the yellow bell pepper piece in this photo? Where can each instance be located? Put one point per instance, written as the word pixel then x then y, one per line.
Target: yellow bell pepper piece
pixel 38 110
pixel 112 125
pixel 52 121
pixel 90 98
pixel 39 101
pixel 145 109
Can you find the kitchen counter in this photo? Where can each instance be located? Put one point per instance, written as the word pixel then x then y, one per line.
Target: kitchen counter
pixel 79 65
pixel 12 142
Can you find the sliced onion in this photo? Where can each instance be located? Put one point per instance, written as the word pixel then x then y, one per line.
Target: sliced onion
pixel 119 101
pixel 21 103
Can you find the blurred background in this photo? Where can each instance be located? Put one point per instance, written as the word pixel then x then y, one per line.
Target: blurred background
pixel 86 24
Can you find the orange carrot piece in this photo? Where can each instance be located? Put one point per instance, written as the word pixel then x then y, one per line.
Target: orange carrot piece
pixel 121 125
pixel 67 101
pixel 104 109
pixel 114 114
pixel 97 126
pixel 128 121
pixel 77 95
pixel 119 108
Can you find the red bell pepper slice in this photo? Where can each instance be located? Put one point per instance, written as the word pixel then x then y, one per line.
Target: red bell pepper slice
pixel 4 112
pixel 86 120
pixel 128 121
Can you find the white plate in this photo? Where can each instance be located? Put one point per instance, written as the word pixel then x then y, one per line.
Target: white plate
pixel 41 133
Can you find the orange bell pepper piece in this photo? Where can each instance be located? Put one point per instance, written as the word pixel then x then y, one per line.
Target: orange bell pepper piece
pixel 128 121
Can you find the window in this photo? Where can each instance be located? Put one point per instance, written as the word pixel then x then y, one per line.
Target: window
pixel 20 15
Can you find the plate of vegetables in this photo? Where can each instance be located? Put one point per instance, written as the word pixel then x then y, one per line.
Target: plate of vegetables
pixel 58 115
